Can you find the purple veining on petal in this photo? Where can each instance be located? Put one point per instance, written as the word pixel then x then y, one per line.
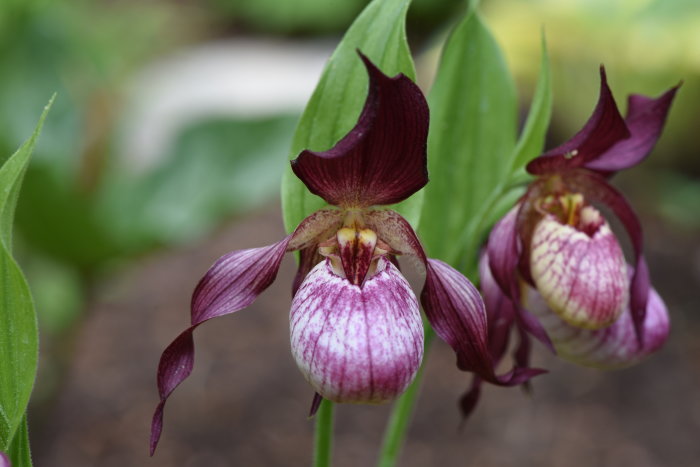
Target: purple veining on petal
pixel 604 128
pixel 231 284
pixel 456 311
pixel 596 189
pixel 356 250
pixel 645 119
pixel 356 344
pixel 4 460
pixel 582 278
pixel 382 160
pixel 613 347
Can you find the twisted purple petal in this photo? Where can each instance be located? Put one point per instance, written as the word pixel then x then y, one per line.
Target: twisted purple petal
pixel 603 129
pixel 645 119
pixel 231 284
pixel 456 312
pixel 382 160
pixel 357 344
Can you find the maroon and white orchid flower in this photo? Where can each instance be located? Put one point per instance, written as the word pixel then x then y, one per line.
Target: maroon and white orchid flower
pixel 356 330
pixel 555 255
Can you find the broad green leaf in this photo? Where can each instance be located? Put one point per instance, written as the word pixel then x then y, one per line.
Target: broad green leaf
pixel 379 32
pixel 19 452
pixel 472 135
pixel 19 341
pixel 531 140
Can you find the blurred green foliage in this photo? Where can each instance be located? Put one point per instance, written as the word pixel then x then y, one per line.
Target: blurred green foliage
pixel 317 17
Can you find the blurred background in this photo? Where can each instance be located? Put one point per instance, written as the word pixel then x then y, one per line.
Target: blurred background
pixel 164 150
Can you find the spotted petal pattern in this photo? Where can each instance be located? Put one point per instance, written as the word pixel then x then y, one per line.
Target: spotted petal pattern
pixel 357 344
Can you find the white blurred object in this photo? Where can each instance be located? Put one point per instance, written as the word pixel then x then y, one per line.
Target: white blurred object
pixel 237 78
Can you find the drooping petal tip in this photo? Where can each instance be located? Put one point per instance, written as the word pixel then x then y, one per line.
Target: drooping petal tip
pixel 457 314
pixel 382 160
pixel 230 285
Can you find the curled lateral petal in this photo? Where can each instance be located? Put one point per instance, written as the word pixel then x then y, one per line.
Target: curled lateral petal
pixel 382 160
pixel 232 283
pixel 456 311
pixel 613 347
pixel 596 189
pixel 645 119
pixel 582 278
pixel 604 128
pixel 357 344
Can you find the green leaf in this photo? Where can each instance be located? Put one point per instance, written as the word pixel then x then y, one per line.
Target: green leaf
pixel 532 138
pixel 216 168
pixel 19 341
pixel 19 452
pixel 379 32
pixel 472 136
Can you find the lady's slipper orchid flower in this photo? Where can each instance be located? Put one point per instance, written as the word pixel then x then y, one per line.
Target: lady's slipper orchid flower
pixel 356 331
pixel 555 250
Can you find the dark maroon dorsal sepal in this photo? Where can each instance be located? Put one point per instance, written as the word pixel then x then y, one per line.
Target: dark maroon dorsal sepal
pixel 382 160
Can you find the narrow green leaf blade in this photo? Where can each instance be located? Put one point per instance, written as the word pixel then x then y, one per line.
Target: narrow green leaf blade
pixel 379 32
pixel 19 341
pixel 531 141
pixel 19 452
pixel 472 134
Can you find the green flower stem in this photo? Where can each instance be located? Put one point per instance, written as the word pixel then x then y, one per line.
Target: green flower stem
pixel 401 412
pixel 323 439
